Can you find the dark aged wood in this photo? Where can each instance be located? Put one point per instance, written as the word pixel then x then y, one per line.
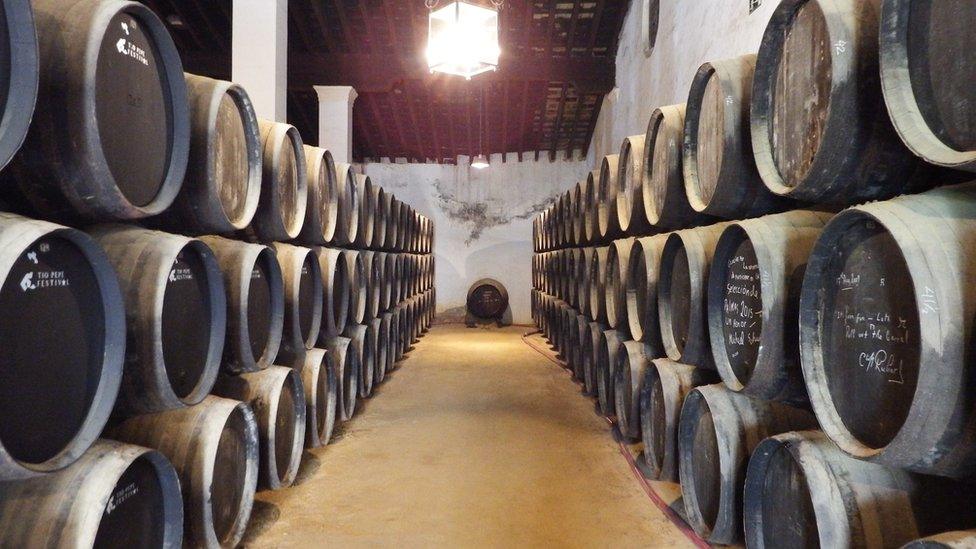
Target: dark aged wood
pixel 719 168
pixel 801 491
pixel 886 328
pixel 927 72
pixel 116 153
pixel 820 132
pixel 63 341
pixel 753 303
pixel 176 317
pixel 717 433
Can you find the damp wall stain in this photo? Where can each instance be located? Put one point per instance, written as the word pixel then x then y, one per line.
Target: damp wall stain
pixel 478 216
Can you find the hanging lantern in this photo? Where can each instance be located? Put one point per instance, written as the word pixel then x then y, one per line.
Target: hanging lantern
pixel 463 40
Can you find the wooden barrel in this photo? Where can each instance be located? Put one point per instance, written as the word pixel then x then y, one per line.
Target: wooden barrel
pixel 569 283
pixel 383 282
pixel 278 399
pixel 640 291
pixel 320 383
pixel 386 338
pixel 886 316
pixel 176 317
pixel 214 448
pixel 406 227
pixel 574 359
pixel 618 260
pixel 584 256
pixel 255 303
pixel 364 345
pixel 801 491
pixel 116 495
pixel 63 341
pixel 335 292
pixel 356 281
pixel 820 130
pixel 487 299
pixel 578 213
pixel 597 276
pixel 681 292
pixel 304 301
pixel 608 351
pixel 606 207
pixel 347 222
pixel 591 225
pixel 627 383
pixel 558 215
pixel 223 176
pixel 347 373
pixel 392 222
pixel 367 211
pixel 19 76
pixel 591 349
pixel 717 433
pixel 322 210
pixel 719 168
pixel 665 201
pixel 396 333
pixel 569 207
pixel 753 303
pixel 110 135
pixel 959 539
pixel 394 264
pixel 373 276
pixel 380 211
pixel 630 193
pixel 380 342
pixel 284 184
pixel 662 393
pixel 926 75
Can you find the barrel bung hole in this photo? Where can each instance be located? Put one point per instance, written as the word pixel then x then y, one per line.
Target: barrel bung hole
pixel 705 465
pixel 53 341
pixel 229 474
pixel 135 127
pixel 742 305
pixel 939 35
pixel 231 161
pixel 788 518
pixel 187 310
pixel 678 298
pixel 286 417
pixel 134 515
pixel 259 304
pixel 869 333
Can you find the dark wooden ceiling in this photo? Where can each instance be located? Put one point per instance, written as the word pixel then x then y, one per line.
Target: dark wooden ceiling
pixel 557 64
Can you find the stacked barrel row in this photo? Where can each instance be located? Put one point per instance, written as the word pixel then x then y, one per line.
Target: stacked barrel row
pixel 190 296
pixel 803 373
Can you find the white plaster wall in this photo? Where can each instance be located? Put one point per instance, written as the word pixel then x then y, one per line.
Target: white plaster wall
pixel 482 218
pixel 690 32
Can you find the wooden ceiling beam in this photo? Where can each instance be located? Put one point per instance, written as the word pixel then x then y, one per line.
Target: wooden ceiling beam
pixel 378 73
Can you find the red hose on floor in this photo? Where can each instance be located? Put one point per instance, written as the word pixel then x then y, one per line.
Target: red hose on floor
pixel 648 489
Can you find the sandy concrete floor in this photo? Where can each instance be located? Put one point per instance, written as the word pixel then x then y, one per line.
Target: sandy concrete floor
pixel 476 441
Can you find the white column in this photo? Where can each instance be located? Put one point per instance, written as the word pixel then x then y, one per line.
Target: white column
pixel 335 120
pixel 260 54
